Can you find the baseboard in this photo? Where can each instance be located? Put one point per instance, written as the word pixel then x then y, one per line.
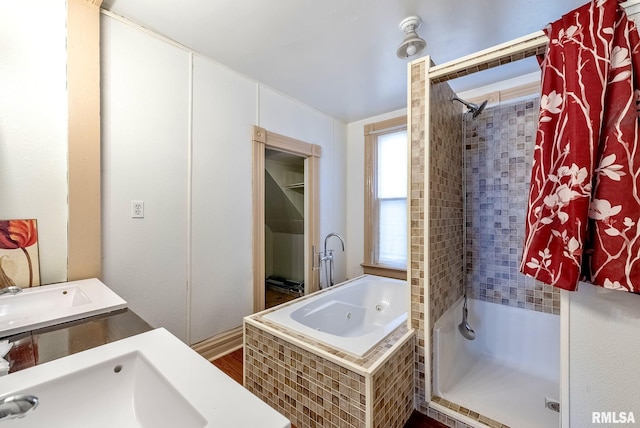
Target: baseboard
pixel 217 346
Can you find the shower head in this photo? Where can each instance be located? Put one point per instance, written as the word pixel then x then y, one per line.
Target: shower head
pixel 474 109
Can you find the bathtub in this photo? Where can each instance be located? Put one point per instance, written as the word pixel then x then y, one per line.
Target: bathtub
pixel 343 356
pixel 352 316
pixel 508 372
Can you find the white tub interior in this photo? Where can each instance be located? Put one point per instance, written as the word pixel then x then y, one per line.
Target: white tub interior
pixel 353 316
pixel 507 371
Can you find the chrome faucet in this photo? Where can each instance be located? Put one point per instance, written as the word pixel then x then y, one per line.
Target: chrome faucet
pixel 326 238
pixel 327 257
pixel 12 289
pixel 16 406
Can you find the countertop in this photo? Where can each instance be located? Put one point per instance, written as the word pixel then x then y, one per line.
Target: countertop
pixel 50 343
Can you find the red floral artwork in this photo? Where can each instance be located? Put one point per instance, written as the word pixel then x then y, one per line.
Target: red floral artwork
pixel 583 219
pixel 17 234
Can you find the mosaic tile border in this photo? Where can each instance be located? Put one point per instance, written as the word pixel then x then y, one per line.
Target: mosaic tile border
pixel 504 59
pixel 417 218
pixel 463 411
pixel 365 364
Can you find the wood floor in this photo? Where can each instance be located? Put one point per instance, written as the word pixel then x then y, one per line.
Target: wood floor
pixel 231 364
pixel 274 297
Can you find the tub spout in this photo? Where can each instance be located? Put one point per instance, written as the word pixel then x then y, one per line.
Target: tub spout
pixel 329 236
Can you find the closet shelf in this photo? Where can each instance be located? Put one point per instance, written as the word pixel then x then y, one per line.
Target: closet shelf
pixel 298 187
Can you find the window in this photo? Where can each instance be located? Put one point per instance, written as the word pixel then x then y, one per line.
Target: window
pixel 386 184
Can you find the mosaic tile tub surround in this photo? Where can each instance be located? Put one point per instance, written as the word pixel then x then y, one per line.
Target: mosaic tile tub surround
pixel 315 385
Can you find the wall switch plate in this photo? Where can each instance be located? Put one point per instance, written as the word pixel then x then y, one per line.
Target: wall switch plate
pixel 137 209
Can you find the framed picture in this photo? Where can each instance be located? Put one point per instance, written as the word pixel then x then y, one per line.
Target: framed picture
pixel 19 257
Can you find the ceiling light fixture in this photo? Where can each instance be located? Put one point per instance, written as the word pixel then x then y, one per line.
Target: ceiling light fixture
pixel 412 43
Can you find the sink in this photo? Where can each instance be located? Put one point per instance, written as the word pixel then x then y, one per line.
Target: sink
pixel 148 380
pixel 135 393
pixel 52 304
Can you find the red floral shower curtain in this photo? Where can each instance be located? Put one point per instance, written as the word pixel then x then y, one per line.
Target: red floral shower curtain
pixel 583 219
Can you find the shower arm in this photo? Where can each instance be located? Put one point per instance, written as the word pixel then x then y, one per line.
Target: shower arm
pixel 474 109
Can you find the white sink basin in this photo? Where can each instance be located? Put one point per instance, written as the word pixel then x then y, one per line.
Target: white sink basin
pixel 47 305
pixel 148 380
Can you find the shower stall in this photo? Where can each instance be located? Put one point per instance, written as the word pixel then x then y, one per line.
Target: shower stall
pixel 499 365
pixel 509 369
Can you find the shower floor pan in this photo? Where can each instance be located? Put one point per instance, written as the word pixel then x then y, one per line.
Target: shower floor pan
pixel 508 395
pixel 507 371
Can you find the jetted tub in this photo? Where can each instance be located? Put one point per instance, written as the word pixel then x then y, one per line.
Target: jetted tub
pixel 508 372
pixel 352 316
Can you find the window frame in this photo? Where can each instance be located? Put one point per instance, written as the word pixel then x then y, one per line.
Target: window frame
pixel 371 133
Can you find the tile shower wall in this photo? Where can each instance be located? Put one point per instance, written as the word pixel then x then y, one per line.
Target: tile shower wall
pixel 445 205
pixel 498 152
pixel 445 212
pixel 445 202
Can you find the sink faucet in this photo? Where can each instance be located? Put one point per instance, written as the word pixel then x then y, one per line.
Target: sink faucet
pixel 15 406
pixel 12 289
pixel 327 257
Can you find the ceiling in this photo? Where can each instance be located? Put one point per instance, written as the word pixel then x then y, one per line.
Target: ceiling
pixel 339 56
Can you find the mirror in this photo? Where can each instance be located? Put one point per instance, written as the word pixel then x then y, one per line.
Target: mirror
pixel 33 126
pixel 50 130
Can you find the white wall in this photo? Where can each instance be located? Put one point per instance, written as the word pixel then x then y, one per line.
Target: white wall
pixel 339 212
pixel 33 125
pixel 604 340
pixel 224 111
pixel 145 124
pixel 286 116
pixel 355 190
pixel 156 108
pixel 287 255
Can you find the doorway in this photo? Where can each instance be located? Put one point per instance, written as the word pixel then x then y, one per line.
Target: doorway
pixel 285 229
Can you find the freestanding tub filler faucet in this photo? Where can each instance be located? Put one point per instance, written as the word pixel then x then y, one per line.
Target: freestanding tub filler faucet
pixel 326 257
